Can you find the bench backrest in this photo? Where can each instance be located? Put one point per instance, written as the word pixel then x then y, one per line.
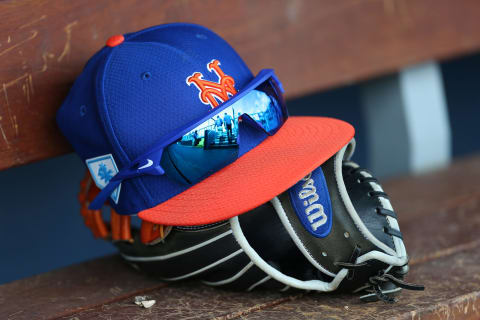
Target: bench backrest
pixel 311 44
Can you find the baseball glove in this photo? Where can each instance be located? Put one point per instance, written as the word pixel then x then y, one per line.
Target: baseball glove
pixel 334 230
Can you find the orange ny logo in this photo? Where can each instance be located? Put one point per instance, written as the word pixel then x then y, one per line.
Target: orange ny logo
pixel 211 92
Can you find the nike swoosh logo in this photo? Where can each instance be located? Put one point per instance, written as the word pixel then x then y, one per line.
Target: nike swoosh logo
pixel 149 164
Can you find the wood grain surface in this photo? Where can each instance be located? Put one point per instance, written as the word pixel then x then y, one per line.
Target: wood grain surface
pixel 438 215
pixel 312 44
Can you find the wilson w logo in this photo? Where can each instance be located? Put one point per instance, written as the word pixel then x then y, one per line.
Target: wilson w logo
pixel 213 92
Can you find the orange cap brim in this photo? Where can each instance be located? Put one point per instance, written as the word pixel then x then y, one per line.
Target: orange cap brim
pixel 280 161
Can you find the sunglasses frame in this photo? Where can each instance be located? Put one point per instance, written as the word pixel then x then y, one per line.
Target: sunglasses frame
pixel 149 163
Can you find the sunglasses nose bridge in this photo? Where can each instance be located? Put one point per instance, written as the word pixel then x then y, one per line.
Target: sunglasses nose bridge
pixel 250 134
pixel 248 120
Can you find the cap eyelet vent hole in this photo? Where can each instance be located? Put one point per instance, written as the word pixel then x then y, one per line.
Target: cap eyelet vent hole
pixel 83 110
pixel 146 76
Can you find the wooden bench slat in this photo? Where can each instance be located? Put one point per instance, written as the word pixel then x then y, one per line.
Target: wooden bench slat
pixel 438 190
pixel 85 285
pixel 311 44
pixel 187 301
pixel 441 241
pixel 452 288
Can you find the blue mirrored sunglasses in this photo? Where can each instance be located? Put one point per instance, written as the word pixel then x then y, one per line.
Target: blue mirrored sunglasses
pixel 204 146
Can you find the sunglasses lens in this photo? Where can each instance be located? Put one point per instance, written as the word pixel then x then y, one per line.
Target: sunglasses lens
pixel 213 144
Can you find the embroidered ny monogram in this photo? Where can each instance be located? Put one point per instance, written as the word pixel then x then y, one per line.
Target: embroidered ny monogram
pixel 213 93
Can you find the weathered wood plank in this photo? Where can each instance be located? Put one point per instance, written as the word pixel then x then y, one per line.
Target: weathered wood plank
pixel 441 239
pixel 438 210
pixel 452 289
pixel 312 44
pixel 75 288
pixel 441 189
pixel 186 301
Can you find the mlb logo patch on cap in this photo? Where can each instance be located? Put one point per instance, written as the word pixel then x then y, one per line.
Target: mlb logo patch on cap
pixel 103 169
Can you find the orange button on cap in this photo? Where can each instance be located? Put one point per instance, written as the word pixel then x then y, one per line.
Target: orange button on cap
pixel 115 40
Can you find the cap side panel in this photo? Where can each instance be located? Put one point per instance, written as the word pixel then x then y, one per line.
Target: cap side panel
pixel 78 118
pixel 192 39
pixel 134 194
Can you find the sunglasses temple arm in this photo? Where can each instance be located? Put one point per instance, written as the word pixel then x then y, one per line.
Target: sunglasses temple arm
pixel 151 165
pixel 100 199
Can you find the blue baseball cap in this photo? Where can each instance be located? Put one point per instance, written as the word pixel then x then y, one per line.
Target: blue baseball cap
pixel 143 86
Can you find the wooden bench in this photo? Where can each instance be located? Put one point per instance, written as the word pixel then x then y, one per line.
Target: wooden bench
pixel 440 222
pixel 312 45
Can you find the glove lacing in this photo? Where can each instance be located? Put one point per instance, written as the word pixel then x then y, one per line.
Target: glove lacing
pixel 374 284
